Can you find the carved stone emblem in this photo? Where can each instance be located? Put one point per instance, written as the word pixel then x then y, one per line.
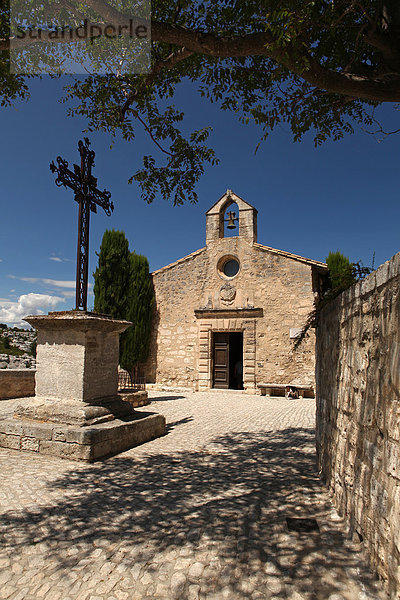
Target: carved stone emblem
pixel 227 294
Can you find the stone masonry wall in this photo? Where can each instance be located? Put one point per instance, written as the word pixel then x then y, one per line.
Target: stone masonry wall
pixel 279 285
pixel 358 413
pixel 17 383
pixel 172 358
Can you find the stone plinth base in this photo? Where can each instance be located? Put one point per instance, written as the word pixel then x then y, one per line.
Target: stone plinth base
pixel 76 412
pixel 75 442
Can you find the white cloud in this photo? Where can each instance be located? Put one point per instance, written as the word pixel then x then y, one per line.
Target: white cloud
pixel 54 282
pixel 63 287
pixel 1 260
pixel 59 259
pixel 13 313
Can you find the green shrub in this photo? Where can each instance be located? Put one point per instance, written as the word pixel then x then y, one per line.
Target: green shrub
pixel 342 275
pixel 7 348
pixel 341 271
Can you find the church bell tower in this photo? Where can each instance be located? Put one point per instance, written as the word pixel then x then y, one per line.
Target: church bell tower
pixel 247 219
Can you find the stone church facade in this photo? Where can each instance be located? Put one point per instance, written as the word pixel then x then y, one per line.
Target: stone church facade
pixel 227 315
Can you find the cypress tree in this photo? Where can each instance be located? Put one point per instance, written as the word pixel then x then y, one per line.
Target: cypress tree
pixel 134 346
pixel 123 289
pixel 112 276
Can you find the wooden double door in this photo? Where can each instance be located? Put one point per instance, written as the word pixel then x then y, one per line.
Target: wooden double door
pixel 228 360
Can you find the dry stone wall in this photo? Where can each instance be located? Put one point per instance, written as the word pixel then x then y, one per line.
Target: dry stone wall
pixel 16 383
pixel 358 413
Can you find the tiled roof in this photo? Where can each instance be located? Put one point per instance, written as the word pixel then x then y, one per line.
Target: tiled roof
pixel 307 261
pixel 178 262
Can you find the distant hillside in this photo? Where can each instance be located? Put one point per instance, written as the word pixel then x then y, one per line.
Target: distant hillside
pixel 17 348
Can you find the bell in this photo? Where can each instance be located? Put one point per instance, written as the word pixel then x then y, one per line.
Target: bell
pixel 231 222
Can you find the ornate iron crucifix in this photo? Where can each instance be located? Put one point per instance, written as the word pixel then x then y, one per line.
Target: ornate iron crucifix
pixel 82 182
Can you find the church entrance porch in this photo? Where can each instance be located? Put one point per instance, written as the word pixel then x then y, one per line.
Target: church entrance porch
pixel 228 360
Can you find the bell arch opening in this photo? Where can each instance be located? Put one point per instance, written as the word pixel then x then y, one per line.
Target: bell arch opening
pixel 229 220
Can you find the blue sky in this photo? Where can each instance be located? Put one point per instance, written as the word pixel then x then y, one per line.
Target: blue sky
pixel 341 196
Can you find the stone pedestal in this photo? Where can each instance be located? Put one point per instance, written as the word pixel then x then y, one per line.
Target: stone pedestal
pixel 76 412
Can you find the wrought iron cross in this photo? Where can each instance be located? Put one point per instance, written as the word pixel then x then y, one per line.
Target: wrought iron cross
pixel 82 182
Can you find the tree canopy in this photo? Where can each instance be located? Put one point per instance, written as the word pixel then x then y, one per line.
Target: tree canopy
pixel 321 66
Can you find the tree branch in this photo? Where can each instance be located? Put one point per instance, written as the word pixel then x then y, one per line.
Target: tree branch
pixel 147 128
pixel 161 65
pixel 300 63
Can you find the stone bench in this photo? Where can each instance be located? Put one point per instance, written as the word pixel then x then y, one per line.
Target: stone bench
pixel 270 389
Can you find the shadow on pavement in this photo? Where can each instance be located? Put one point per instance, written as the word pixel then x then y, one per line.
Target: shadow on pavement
pixel 173 424
pixel 232 502
pixel 165 398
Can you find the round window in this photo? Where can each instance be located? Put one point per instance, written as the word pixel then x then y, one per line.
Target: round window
pixel 228 266
pixel 231 268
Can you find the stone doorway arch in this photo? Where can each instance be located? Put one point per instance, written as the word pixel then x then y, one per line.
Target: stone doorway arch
pixel 205 349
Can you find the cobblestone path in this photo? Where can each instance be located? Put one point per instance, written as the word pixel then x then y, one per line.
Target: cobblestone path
pixel 198 514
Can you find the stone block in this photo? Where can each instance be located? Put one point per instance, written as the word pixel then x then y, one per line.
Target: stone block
pixel 72 412
pixel 37 430
pixel 59 435
pixel 379 498
pixel 382 274
pixel 10 441
pixel 368 285
pixel 393 424
pixel 11 427
pixel 70 451
pixel 29 443
pixel 135 399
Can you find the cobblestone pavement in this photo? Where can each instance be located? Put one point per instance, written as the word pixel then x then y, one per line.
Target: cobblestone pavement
pixel 198 514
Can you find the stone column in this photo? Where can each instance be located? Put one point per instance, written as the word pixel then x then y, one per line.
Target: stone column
pixel 249 357
pixel 204 356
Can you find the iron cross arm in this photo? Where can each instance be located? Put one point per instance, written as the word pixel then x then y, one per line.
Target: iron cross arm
pixel 74 180
pixel 65 176
pixel 102 199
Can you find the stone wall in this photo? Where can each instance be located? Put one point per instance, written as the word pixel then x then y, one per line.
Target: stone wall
pixel 17 383
pixel 358 413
